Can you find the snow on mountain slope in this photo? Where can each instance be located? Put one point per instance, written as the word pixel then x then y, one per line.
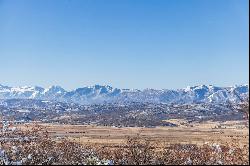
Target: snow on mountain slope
pixel 20 92
pixel 101 94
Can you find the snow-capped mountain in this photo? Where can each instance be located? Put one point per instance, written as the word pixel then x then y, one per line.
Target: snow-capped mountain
pixel 53 93
pixel 100 94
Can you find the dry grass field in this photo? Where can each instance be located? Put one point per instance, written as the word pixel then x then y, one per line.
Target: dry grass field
pixel 196 133
pixel 208 143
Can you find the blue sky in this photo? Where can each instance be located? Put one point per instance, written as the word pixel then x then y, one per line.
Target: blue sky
pixel 126 44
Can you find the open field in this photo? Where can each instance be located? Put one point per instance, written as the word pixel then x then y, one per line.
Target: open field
pixel 206 143
pixel 194 133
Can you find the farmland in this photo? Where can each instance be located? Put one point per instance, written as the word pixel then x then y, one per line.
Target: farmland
pixel 194 133
pixel 116 134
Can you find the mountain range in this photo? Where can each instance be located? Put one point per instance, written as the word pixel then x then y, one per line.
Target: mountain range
pixel 99 94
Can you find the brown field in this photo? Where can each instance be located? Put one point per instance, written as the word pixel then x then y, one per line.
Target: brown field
pixel 196 133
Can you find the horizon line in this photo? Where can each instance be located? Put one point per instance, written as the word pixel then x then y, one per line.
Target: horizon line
pixel 113 87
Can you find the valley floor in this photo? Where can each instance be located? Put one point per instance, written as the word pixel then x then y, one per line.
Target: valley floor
pixel 185 133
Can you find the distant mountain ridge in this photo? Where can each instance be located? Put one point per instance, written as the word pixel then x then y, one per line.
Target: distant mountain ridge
pixel 99 94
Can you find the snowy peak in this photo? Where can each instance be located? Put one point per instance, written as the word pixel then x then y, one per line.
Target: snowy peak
pixel 2 87
pixel 240 88
pixel 54 89
pixel 106 93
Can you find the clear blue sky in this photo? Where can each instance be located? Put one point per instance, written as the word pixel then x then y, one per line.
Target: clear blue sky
pixel 124 43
